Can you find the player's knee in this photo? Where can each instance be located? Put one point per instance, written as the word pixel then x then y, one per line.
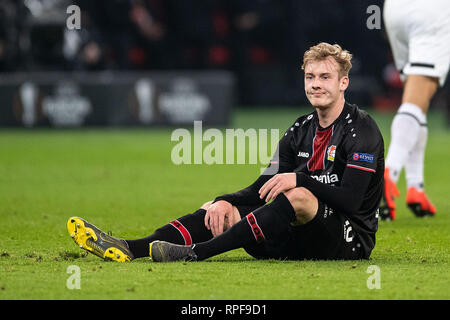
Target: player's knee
pixel 298 196
pixel 206 205
pixel 303 202
pixel 419 90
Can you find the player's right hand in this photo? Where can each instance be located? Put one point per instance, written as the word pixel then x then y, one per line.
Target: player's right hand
pixel 219 217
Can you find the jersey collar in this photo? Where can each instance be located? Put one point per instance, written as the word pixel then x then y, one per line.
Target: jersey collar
pixel 345 113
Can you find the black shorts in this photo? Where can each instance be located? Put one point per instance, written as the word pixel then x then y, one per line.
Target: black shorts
pixel 328 236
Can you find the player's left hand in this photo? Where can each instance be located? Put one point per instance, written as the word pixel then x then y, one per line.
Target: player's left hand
pixel 278 183
pixel 219 217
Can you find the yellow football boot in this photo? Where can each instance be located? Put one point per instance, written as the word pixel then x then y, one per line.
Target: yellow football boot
pixel 90 238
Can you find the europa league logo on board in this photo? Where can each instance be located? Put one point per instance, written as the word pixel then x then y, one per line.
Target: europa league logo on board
pixel 27 104
pixel 143 102
pixel 180 103
pixel 65 106
pixel 184 102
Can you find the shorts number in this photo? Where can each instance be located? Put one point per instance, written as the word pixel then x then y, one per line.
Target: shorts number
pixel 348 234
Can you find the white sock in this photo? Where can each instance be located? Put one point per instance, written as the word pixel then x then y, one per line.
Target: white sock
pixel 415 164
pixel 405 131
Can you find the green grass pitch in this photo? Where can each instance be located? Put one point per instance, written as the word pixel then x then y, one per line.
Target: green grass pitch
pixel 123 180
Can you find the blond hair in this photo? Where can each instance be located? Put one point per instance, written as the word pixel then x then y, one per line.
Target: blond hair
pixel 323 50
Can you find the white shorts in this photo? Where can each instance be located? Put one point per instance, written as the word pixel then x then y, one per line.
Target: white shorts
pixel 419 34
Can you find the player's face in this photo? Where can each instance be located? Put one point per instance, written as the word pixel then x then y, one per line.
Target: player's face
pixel 324 86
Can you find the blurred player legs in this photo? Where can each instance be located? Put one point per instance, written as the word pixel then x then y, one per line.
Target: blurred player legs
pixel 419 35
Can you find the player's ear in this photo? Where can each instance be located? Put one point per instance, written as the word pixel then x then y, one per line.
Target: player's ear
pixel 343 85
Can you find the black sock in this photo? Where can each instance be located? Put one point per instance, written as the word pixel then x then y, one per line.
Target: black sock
pixel 186 230
pixel 263 223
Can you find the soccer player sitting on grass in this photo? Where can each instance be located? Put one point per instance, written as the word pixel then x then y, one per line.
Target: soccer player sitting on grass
pixel 318 198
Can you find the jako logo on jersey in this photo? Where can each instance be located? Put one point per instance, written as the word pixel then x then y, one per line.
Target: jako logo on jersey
pixel 327 178
pixel 331 152
pixel 303 154
pixel 366 157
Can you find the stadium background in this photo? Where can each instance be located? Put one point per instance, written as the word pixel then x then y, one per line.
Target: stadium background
pixel 243 55
pixel 260 42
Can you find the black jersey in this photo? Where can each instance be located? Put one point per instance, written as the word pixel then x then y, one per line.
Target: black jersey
pixel 342 165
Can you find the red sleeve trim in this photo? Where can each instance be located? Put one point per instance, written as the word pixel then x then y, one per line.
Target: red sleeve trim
pixel 360 168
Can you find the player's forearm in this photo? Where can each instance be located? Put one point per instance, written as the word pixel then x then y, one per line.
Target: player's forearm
pixel 346 198
pixel 250 195
pixel 247 196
